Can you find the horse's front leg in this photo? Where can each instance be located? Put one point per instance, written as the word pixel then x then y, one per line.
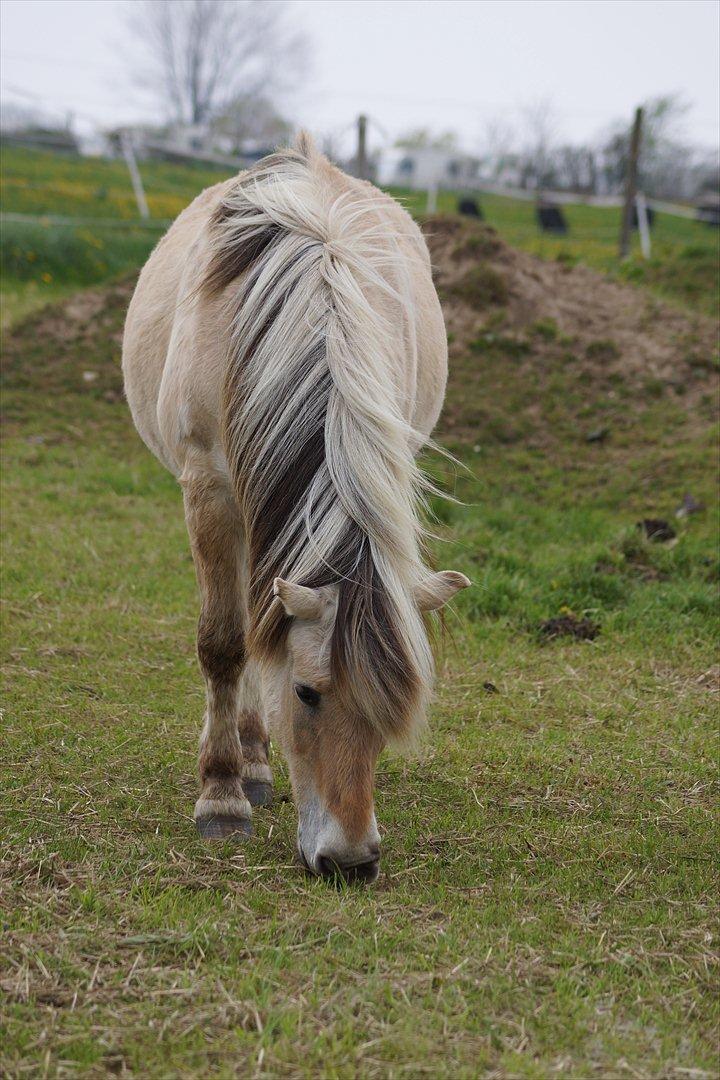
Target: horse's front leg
pixel 212 519
pixel 256 774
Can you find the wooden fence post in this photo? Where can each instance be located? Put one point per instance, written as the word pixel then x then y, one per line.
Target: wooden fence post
pixel 630 185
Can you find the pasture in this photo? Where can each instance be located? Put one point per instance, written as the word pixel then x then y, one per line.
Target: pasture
pixel 547 900
pixel 45 260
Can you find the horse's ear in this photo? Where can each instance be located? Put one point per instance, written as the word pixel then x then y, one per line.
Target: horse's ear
pixel 298 601
pixel 305 144
pixel 439 588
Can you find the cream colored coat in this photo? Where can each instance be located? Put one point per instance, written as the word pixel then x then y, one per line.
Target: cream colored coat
pixel 175 359
pixel 175 343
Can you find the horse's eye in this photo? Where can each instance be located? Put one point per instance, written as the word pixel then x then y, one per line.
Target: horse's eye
pixel 307 695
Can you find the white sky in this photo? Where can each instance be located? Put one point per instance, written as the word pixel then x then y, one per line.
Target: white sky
pixel 454 64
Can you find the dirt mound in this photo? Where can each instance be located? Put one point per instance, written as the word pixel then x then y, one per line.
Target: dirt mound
pixel 550 324
pixel 617 325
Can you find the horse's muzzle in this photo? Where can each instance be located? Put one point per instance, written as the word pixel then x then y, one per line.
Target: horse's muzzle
pixel 332 868
pixel 364 872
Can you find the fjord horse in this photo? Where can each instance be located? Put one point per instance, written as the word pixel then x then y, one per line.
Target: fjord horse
pixel 285 358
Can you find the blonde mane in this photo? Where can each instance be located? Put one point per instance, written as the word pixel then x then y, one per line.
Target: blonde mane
pixel 315 421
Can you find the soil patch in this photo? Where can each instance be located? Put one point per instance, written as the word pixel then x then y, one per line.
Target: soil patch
pixel 569 626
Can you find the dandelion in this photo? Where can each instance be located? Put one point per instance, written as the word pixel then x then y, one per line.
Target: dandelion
pixel 47 278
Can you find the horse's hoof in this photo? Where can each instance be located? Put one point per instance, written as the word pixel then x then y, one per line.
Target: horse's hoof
pixel 223 827
pixel 258 792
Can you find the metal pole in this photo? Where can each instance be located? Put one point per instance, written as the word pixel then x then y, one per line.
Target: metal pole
pixel 128 150
pixel 362 162
pixel 630 185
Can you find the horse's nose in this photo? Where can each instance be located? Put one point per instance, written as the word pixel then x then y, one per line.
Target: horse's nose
pixel 331 865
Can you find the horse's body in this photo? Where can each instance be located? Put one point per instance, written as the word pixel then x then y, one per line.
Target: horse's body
pixel 285 357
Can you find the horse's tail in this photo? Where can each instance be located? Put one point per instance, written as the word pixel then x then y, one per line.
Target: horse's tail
pixel 314 419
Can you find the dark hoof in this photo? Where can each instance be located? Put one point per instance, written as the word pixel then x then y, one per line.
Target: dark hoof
pixel 258 792
pixel 223 826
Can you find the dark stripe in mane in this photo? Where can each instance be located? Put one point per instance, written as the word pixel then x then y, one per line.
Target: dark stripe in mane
pixel 276 448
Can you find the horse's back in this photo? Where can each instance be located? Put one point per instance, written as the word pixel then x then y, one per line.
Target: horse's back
pixel 158 314
pixel 176 337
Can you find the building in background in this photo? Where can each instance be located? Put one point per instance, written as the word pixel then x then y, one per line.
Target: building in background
pixel 426 167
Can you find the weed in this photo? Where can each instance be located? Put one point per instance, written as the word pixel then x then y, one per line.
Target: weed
pixel 504 344
pixel 479 245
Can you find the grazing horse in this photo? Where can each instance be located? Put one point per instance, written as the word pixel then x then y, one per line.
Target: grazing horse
pixel 285 358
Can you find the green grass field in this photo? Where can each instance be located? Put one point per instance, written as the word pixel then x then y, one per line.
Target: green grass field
pixel 548 899
pixel 45 260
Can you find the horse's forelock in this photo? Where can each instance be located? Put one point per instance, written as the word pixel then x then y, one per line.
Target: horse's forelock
pixel 372 668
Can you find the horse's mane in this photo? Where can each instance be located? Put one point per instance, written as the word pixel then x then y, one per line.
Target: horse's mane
pixel 321 456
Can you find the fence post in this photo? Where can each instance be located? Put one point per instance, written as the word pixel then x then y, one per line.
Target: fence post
pixel 630 184
pixel 126 141
pixel 431 204
pixel 643 224
pixel 362 162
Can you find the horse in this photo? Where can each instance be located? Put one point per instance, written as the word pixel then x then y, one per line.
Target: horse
pixel 285 358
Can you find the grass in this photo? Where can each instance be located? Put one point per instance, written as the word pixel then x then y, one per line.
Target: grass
pixel 40 258
pixel 547 904
pixel 40 182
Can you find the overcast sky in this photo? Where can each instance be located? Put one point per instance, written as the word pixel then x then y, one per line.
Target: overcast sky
pixel 446 64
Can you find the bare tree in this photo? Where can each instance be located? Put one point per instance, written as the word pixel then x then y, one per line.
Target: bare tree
pixel 668 164
pixel 541 124
pixel 253 119
pixel 202 55
pixel 575 167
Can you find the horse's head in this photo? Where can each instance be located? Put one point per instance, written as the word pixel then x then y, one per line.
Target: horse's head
pixel 331 748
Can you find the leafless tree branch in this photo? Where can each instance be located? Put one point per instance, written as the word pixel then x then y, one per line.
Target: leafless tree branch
pixel 198 56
